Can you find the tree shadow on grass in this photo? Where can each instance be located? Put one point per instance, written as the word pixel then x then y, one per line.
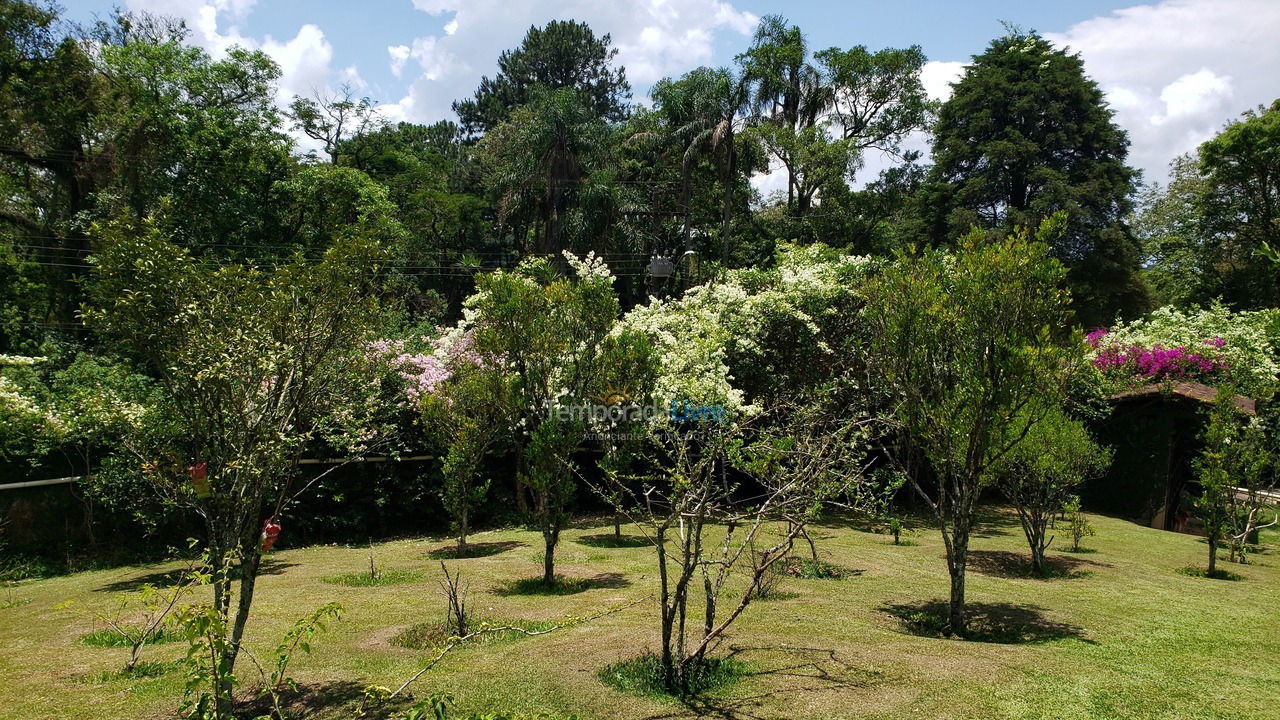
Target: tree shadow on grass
pixel 169 578
pixel 1006 564
pixel 1000 623
pixel 562 586
pixel 474 550
pixel 993 522
pixel 337 699
pixel 611 541
pixel 798 671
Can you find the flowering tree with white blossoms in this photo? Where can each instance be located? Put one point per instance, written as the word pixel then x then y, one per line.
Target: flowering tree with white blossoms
pixel 717 484
pixel 547 331
pixel 1210 345
pixel 29 424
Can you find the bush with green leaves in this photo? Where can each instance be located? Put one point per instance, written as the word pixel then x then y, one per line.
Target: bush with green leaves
pixel 1040 475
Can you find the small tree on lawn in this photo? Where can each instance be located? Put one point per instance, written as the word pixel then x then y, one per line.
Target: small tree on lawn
pixel 1077 523
pixel 963 344
pixel 547 330
pixel 468 413
pixel 1236 477
pixel 1040 474
pixel 252 366
pixel 798 466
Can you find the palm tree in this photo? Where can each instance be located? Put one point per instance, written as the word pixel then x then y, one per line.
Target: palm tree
pixel 539 160
pixel 703 112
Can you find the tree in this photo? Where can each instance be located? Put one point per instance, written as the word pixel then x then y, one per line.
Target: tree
pixel 562 54
pixel 335 119
pixel 1040 474
pixel 542 161
pixel 1169 223
pixel 463 403
pixel 1025 135
pixel 548 331
pixel 703 112
pixel 1242 207
pixel 1237 476
pixel 252 367
pixel 115 118
pixel 811 456
pixel 965 352
pixel 822 113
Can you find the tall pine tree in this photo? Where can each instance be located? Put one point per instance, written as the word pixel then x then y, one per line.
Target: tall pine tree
pixel 561 54
pixel 1025 135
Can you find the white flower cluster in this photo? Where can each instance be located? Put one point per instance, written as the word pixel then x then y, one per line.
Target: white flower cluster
pixel 589 267
pixel 696 335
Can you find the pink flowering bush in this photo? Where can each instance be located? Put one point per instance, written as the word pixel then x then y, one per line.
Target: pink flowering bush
pixel 1156 363
pixel 425 373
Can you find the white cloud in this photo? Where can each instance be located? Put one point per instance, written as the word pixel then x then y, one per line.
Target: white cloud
pixel 937 78
pixel 399 56
pixel 1177 70
pixel 655 38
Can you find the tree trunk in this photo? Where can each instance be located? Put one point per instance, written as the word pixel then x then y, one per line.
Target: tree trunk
pixel 728 205
pixel 549 559
pixel 1213 556
pixel 462 533
pixel 956 565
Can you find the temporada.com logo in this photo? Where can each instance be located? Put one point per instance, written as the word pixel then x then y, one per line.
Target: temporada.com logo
pixel 616 406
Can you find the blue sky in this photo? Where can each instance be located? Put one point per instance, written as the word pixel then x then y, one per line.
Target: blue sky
pixel 1173 70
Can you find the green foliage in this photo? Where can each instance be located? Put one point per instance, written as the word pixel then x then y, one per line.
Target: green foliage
pixel 965 345
pixel 561 54
pixel 810 569
pixel 1026 135
pixel 379 578
pixel 1240 166
pixel 1077 523
pixel 644 675
pixel 1041 473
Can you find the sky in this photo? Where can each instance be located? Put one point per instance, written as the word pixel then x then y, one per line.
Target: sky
pixel 1174 71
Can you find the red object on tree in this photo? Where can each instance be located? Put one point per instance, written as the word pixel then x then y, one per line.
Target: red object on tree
pixel 270 531
pixel 200 478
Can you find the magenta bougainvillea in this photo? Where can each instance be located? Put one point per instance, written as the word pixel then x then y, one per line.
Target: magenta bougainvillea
pixel 1156 362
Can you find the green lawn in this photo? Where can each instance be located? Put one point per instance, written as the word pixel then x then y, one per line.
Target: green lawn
pixel 1124 635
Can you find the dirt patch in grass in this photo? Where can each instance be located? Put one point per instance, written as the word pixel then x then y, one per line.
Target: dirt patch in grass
pixel 810 569
pixel 1001 623
pixel 430 635
pixel 338 699
pixel 644 676
pixel 474 550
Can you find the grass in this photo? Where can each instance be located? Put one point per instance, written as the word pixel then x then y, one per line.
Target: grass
pixel 433 635
pixel 107 637
pixel 1132 638
pixel 382 578
pixel 810 569
pixel 644 676
pixel 1217 574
